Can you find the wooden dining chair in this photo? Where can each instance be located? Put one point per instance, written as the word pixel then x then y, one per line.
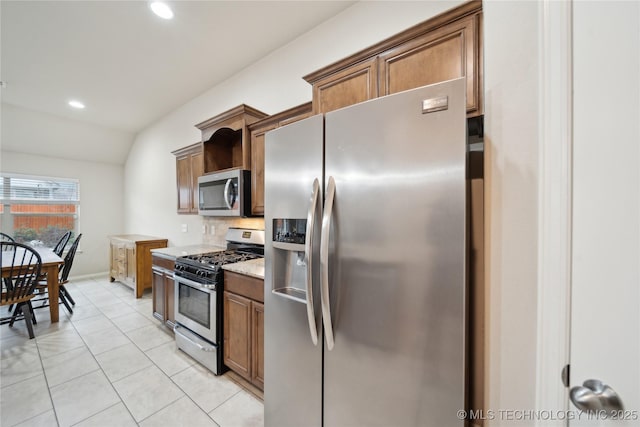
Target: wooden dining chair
pixel 6 238
pixel 21 267
pixel 65 296
pixel 62 243
pixel 63 278
pixel 58 249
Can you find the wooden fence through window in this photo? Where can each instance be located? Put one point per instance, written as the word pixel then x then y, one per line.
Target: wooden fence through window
pixel 39 216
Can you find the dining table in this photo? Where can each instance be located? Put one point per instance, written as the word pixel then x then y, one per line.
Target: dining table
pixel 50 266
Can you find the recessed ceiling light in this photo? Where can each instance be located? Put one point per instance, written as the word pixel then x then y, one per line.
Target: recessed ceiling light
pixel 161 9
pixel 76 104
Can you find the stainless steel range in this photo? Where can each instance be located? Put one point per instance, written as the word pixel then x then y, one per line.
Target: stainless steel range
pixel 198 295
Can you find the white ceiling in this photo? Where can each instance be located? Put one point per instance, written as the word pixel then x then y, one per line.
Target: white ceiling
pixel 130 67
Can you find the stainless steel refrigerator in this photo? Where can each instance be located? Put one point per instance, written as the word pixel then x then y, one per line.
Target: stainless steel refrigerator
pixel 365 213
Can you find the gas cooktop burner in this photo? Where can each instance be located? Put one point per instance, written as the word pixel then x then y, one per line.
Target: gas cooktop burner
pixel 206 268
pixel 216 259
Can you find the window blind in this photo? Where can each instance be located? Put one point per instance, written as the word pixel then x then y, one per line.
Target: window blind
pixel 16 187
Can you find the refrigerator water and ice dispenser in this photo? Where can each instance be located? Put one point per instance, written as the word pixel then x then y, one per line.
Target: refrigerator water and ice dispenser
pixel 289 237
pixel 290 231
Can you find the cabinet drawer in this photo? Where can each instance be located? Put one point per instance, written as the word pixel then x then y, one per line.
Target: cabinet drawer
pixel 121 268
pixel 120 252
pixel 246 286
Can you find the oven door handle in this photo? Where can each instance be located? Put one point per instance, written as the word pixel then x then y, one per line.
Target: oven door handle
pixel 324 262
pixel 308 252
pixel 226 193
pixel 193 283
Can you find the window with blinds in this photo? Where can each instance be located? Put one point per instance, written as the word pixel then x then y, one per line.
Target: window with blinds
pixel 39 210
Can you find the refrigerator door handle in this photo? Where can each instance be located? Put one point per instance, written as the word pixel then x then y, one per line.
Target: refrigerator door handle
pixel 324 262
pixel 308 254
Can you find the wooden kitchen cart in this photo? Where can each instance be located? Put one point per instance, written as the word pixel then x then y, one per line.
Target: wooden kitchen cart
pixel 130 260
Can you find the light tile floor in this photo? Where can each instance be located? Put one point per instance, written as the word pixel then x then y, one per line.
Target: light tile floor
pixel 110 364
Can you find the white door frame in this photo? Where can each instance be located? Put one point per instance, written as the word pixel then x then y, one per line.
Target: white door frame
pixel 554 204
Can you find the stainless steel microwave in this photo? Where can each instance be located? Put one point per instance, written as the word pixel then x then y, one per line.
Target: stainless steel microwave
pixel 225 193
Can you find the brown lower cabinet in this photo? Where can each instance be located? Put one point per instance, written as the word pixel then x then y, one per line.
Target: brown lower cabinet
pixel 163 290
pixel 257 344
pixel 244 327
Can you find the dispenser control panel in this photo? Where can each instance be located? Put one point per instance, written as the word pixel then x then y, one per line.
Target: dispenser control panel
pixel 287 230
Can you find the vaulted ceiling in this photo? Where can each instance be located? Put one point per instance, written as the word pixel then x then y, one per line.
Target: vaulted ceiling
pixel 127 65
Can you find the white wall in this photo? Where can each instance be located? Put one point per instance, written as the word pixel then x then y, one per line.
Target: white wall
pixel 272 84
pixel 511 98
pixel 605 260
pixel 36 143
pixel 101 201
pixel 42 134
pixel 511 54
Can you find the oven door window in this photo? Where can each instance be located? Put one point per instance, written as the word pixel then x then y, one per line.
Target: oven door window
pixel 194 304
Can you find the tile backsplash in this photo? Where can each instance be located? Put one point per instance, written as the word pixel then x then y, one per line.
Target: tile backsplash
pixel 222 224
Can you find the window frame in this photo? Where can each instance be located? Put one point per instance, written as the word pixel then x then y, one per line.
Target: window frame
pixel 8 182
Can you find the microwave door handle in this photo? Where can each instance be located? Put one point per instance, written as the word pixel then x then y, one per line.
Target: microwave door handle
pixel 226 193
pixel 324 262
pixel 308 255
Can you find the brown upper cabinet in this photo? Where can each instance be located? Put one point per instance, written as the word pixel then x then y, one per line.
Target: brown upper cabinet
pixel 354 84
pixel 258 131
pixel 225 139
pixel 445 47
pixel 189 166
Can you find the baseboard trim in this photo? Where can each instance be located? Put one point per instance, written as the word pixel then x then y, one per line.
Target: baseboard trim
pixel 90 276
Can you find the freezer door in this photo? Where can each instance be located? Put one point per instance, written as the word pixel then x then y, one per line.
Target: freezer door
pixel 293 362
pixel 396 260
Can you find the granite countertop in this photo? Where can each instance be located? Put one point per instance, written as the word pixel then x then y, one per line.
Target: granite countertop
pixel 136 237
pixel 253 268
pixel 178 251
